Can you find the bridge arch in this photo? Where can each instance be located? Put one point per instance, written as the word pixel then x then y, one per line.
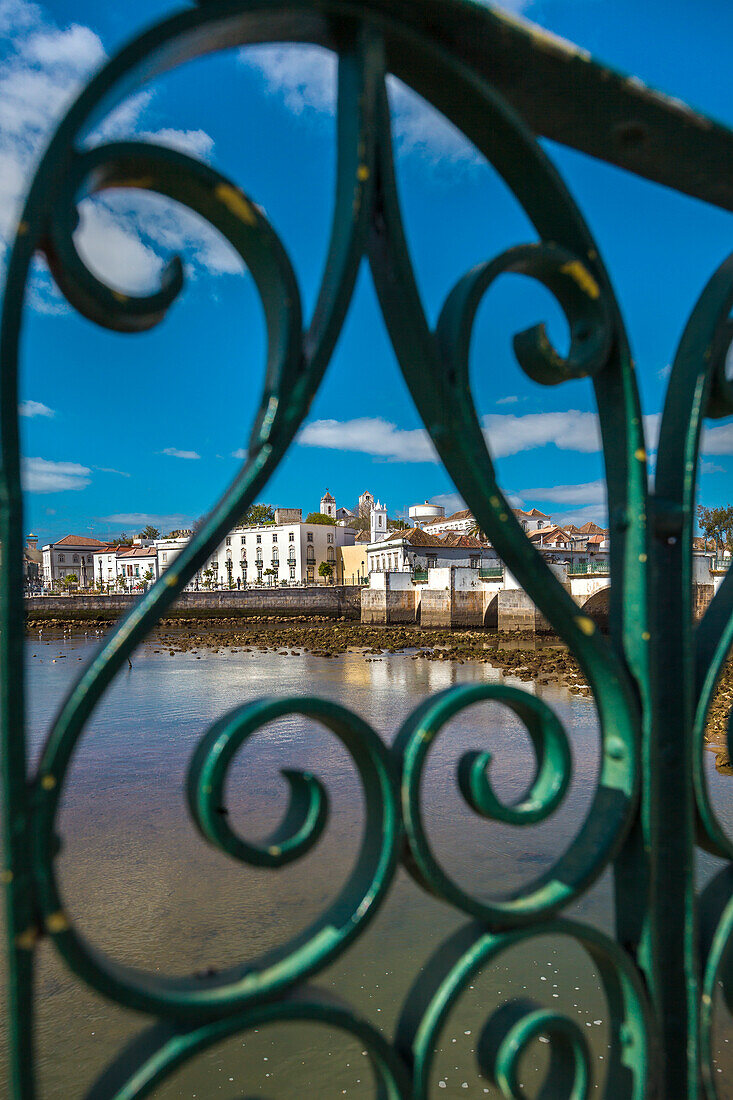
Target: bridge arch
pixel 596 607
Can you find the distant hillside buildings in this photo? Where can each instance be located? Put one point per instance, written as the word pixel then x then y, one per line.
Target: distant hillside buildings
pixel 290 551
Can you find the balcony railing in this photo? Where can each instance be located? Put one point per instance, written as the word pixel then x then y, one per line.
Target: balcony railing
pixel 720 565
pixel 581 568
pixel 665 972
pixel 491 572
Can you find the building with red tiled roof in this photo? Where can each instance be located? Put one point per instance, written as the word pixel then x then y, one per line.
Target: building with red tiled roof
pixel 458 521
pixel 556 537
pixel 418 548
pixel 70 556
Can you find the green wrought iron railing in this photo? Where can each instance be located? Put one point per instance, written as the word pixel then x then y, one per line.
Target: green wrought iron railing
pixel 579 568
pixel 501 83
pixel 491 572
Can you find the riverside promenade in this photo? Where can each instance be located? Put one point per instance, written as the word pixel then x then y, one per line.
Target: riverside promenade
pixel 334 601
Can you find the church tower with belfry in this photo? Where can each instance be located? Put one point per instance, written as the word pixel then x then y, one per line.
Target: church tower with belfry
pixel 378 524
pixel 328 506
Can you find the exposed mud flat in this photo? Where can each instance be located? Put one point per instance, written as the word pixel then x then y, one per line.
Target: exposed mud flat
pixel 526 657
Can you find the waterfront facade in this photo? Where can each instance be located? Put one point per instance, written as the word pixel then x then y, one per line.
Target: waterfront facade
pixel 70 556
pixel 284 552
pixel 416 550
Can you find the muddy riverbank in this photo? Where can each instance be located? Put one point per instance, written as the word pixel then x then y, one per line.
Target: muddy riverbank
pixel 528 658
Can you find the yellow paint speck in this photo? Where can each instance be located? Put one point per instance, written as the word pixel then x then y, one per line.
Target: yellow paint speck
pixel 170 580
pixel 586 625
pixel 582 276
pixel 22 229
pixel 145 183
pixel 646 636
pixel 235 201
pixel 362 173
pixel 48 782
pixel 57 922
pixel 26 940
pixel 275 850
pixel 118 296
pixel 6 877
pixel 640 454
pixel 503 517
pixel 495 502
pixel 642 557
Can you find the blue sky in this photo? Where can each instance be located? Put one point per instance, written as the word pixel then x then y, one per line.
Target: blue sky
pixel 119 431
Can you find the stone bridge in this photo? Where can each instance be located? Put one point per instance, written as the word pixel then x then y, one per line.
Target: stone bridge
pixel 458 596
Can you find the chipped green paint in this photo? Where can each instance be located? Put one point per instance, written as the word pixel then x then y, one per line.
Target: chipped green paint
pixel 497 80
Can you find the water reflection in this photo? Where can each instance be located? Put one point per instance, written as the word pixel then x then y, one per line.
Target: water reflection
pixel 145 888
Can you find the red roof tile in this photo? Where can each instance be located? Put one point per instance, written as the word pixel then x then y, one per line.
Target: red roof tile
pixel 78 540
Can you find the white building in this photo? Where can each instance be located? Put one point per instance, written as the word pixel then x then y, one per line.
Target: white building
pixel 463 521
pixel 137 567
pixel 420 514
pixel 71 555
pixel 378 522
pixel 415 549
pixel 286 552
pixel 456 522
pixel 533 520
pixel 129 567
pixel 328 506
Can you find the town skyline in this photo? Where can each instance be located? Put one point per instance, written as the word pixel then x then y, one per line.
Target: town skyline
pixel 121 431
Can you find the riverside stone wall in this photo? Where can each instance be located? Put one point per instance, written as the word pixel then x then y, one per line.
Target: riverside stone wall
pixel 330 601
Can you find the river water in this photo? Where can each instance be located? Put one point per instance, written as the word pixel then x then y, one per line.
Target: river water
pixel 144 887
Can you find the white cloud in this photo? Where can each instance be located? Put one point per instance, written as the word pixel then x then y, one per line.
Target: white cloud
pixel 197 143
pixel 112 253
pixel 708 467
pixel 110 470
pixel 142 519
pixel 39 475
pixel 592 492
pixel 123 238
pixel 173 452
pixel 34 408
pixel 370 435
pixel 595 513
pixel 452 502
pixel 305 79
pixel 510 400
pixel 718 439
pixel 506 434
pixel 240 453
pixel 77 48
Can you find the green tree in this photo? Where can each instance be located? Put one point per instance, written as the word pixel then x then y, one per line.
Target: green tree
pixel 208 575
pixel 258 513
pixel 150 532
pixel 124 539
pixel 397 525
pixel 358 523
pixel 318 517
pixel 325 569
pixel 70 580
pixel 716 523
